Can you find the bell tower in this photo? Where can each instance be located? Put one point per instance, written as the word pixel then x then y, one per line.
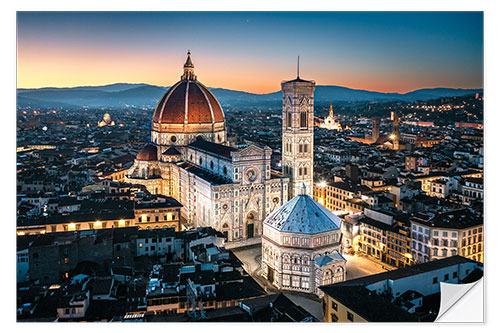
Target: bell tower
pixel 298 134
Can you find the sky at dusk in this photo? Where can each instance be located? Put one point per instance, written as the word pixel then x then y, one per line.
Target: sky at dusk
pixel 254 52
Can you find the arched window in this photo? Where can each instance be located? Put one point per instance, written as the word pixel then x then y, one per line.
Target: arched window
pixel 303 115
pixel 327 277
pixel 288 116
pixel 211 164
pixel 303 119
pixel 339 275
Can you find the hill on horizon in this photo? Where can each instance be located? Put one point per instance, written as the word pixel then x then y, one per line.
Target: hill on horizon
pixel 145 95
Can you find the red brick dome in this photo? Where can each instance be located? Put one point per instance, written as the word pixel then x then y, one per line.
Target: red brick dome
pixel 188 101
pixel 148 153
pixel 191 101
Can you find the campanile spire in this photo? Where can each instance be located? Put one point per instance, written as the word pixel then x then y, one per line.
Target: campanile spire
pixel 298 67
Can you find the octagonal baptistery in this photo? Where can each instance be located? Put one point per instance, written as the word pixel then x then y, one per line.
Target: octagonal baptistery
pixel 296 237
pixel 188 110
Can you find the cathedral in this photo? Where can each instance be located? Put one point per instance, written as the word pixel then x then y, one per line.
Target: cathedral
pixel 230 189
pixel 330 123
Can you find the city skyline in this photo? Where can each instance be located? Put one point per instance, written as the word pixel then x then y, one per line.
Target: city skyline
pixel 253 52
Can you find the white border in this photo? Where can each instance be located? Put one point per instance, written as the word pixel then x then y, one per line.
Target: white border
pixel 492 114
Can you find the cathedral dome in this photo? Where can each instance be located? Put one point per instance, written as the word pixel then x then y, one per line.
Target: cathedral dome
pixel 148 153
pixel 188 102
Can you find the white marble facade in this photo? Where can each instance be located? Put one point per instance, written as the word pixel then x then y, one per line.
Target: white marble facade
pixel 301 245
pixel 298 134
pixel 229 189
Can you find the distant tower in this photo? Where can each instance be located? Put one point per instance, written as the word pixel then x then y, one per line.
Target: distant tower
pixel 375 129
pixel 331 111
pixel 352 172
pixel 395 130
pixel 298 134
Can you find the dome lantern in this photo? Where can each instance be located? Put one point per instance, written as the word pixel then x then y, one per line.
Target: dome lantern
pixel 188 69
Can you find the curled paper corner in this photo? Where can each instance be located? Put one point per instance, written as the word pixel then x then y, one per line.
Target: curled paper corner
pixel 461 303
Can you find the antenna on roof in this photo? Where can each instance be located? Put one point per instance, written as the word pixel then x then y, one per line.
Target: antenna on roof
pixel 298 66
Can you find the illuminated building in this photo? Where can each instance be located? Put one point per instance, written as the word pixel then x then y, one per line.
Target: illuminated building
pixel 76 222
pixel 472 190
pixel 442 187
pixel 427 179
pixel 471 125
pixel 298 134
pixel 350 232
pixel 419 140
pixel 410 162
pixel 301 245
pixel 384 235
pixel 395 130
pixel 437 235
pixel 227 188
pixel 160 213
pixel 399 295
pixel 106 121
pixel 339 196
pixel 330 123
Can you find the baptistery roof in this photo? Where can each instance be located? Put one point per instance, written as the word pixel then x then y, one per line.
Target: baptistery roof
pixel 303 215
pixel 188 101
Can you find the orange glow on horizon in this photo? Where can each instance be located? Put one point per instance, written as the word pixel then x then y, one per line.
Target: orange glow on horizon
pixel 73 66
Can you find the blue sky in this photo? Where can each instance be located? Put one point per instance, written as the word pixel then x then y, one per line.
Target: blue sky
pixel 253 51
